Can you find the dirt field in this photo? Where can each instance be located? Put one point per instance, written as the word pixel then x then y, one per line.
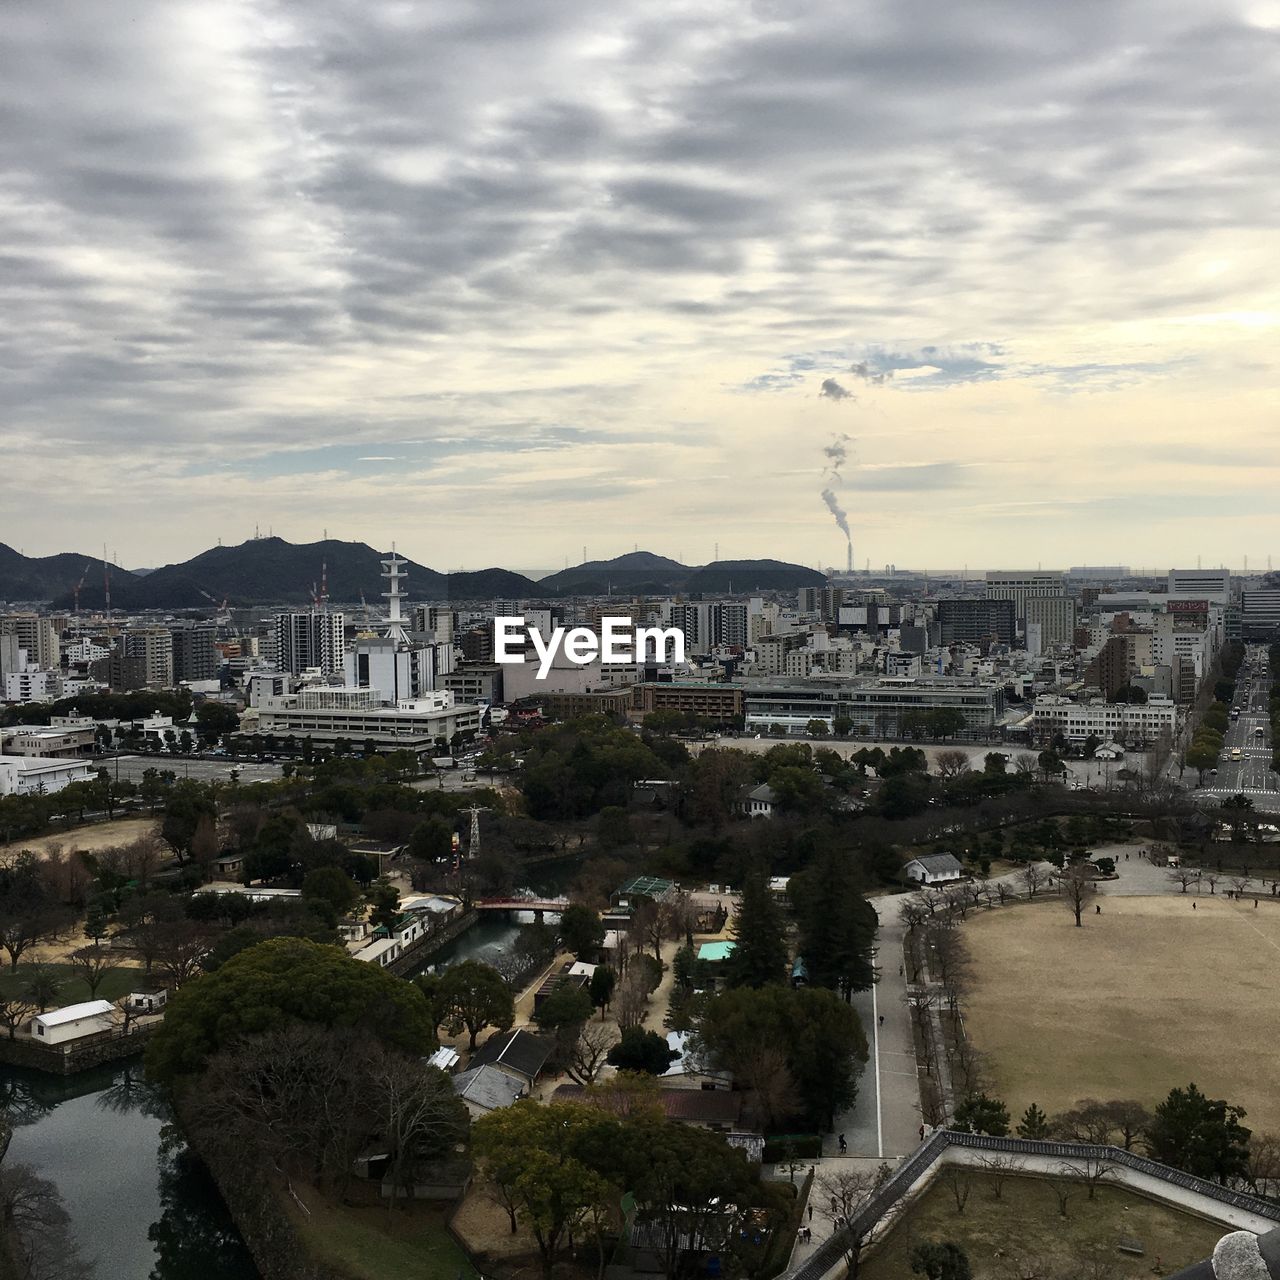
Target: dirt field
pixel 98 835
pixel 1023 1233
pixel 1147 996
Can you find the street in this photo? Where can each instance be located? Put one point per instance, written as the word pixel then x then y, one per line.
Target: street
pixel 1250 735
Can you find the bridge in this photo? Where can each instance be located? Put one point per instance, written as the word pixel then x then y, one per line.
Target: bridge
pixel 508 906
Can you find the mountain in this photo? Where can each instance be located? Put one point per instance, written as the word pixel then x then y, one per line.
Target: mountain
pixel 266 571
pixel 40 578
pixel 643 573
pixel 736 576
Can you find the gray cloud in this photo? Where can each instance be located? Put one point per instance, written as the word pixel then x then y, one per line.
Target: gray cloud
pixel 269 226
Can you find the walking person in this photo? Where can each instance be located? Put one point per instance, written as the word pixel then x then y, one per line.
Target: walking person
pixel 811 1213
pixel 1097 908
pixel 882 1015
pixel 844 1146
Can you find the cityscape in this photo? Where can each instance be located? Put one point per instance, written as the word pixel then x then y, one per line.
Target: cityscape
pixel 639 642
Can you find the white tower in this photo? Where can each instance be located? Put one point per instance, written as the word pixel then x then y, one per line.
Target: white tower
pixel 395 619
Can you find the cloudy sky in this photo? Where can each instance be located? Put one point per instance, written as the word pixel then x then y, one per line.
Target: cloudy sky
pixel 501 278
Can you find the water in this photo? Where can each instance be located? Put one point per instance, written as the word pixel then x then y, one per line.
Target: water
pixel 141 1206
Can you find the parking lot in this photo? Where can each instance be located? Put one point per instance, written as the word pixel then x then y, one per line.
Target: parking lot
pixel 133 767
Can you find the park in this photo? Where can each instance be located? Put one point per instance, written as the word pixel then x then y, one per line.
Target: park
pixel 1148 994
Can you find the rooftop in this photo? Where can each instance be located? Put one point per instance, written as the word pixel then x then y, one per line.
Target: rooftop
pixel 74 1012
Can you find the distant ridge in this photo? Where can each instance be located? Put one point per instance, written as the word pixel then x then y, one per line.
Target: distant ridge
pixel 266 571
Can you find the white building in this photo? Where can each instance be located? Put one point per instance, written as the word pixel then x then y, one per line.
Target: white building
pixel 59 1026
pixel 1110 721
pixel 30 683
pixel 1213 585
pixel 360 715
pixel 933 868
pixel 1020 585
pixel 402 671
pixel 31 775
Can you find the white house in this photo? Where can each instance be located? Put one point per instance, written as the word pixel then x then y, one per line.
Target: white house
pixel 933 868
pixel 31 775
pixel 58 1026
pixel 760 802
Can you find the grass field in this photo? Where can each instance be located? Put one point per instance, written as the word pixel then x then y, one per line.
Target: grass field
pixel 72 990
pixel 95 835
pixel 1145 997
pixel 1023 1233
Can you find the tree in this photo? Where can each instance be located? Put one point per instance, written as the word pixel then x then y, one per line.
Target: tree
pixel 589 1051
pixel 1200 1135
pixel 29 911
pixel 837 924
pixel 42 987
pixel 953 764
pixel 642 1051
pixel 759 955
pixel 1035 878
pixel 331 885
pixel 613 828
pixel 566 1008
pixel 581 930
pixel 384 902
pixel 601 987
pixel 277 982
pixel 432 840
pixel 1034 1123
pixel 940 1261
pixel 819 1033
pixel 979 1113
pixel 841 1195
pixel 38 1239
pixel 473 996
pixel 187 804
pixel 995 763
pixel 91 965
pixel 544 1157
pixel 1077 888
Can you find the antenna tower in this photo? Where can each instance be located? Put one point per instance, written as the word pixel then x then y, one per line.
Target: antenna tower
pixel 395 619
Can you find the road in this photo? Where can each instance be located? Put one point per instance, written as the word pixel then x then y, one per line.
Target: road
pixel 1251 774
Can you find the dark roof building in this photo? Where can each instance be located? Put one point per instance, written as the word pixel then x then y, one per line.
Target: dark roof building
pixel 519 1052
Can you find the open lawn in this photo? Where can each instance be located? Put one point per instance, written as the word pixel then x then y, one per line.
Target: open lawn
pixel 372 1242
pixel 96 835
pixel 1147 996
pixel 1024 1234
pixel 116 982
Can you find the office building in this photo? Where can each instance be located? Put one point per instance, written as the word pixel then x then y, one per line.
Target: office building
pixel 153 647
pixel 310 638
pixel 1139 723
pixel 1020 585
pixel 1260 614
pixel 1056 616
pixel 1213 585
pixel 37 634
pixel 401 671
pixel 977 621
pixel 194 657
pixel 360 715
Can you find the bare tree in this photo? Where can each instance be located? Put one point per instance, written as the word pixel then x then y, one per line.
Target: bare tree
pixel 180 946
pixel 955 1177
pixel 38 1227
pixel 1095 1170
pixel 91 965
pixel 1240 885
pixel 1063 1184
pixel 1035 877
pixel 1184 876
pixel 842 1196
pixel 999 1169
pixel 1264 1163
pixel 952 764
pixel 631 998
pixel 1077 888
pixel 13 1013
pixel 588 1052
pixel 913 911
pixel 764 1072
pixel 1002 890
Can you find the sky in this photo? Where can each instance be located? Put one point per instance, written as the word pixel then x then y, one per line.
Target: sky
pixel 501 280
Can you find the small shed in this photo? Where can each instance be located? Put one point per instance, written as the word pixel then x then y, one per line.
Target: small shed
pixel 58 1026
pixel 934 868
pixel 144 1002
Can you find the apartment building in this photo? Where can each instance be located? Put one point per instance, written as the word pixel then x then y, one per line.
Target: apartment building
pixel 153 648
pixel 974 621
pixel 1021 585
pixel 37 634
pixel 1056 616
pixel 309 638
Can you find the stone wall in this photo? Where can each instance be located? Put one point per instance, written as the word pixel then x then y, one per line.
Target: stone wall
pixel 67 1059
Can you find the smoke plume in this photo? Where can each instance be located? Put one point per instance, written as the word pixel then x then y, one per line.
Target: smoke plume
pixel 837 454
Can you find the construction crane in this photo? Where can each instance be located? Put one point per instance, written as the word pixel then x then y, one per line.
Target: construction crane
pixel 75 591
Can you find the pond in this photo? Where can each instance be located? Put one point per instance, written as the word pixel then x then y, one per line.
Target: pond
pixel 141 1206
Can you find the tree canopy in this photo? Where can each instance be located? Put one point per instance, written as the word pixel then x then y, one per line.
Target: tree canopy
pixel 281 981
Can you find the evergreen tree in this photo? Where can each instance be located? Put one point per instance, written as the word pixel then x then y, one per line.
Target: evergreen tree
pixel 1201 1135
pixel 760 956
pixel 1034 1123
pixel 940 1260
pixel 979 1113
pixel 837 924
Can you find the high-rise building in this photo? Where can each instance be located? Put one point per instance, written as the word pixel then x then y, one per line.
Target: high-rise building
pixel 194 657
pixel 972 621
pixel 1019 585
pixel 709 624
pixel 153 647
pixel 435 618
pixel 1260 614
pixel 1056 616
pixel 37 634
pixel 309 638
